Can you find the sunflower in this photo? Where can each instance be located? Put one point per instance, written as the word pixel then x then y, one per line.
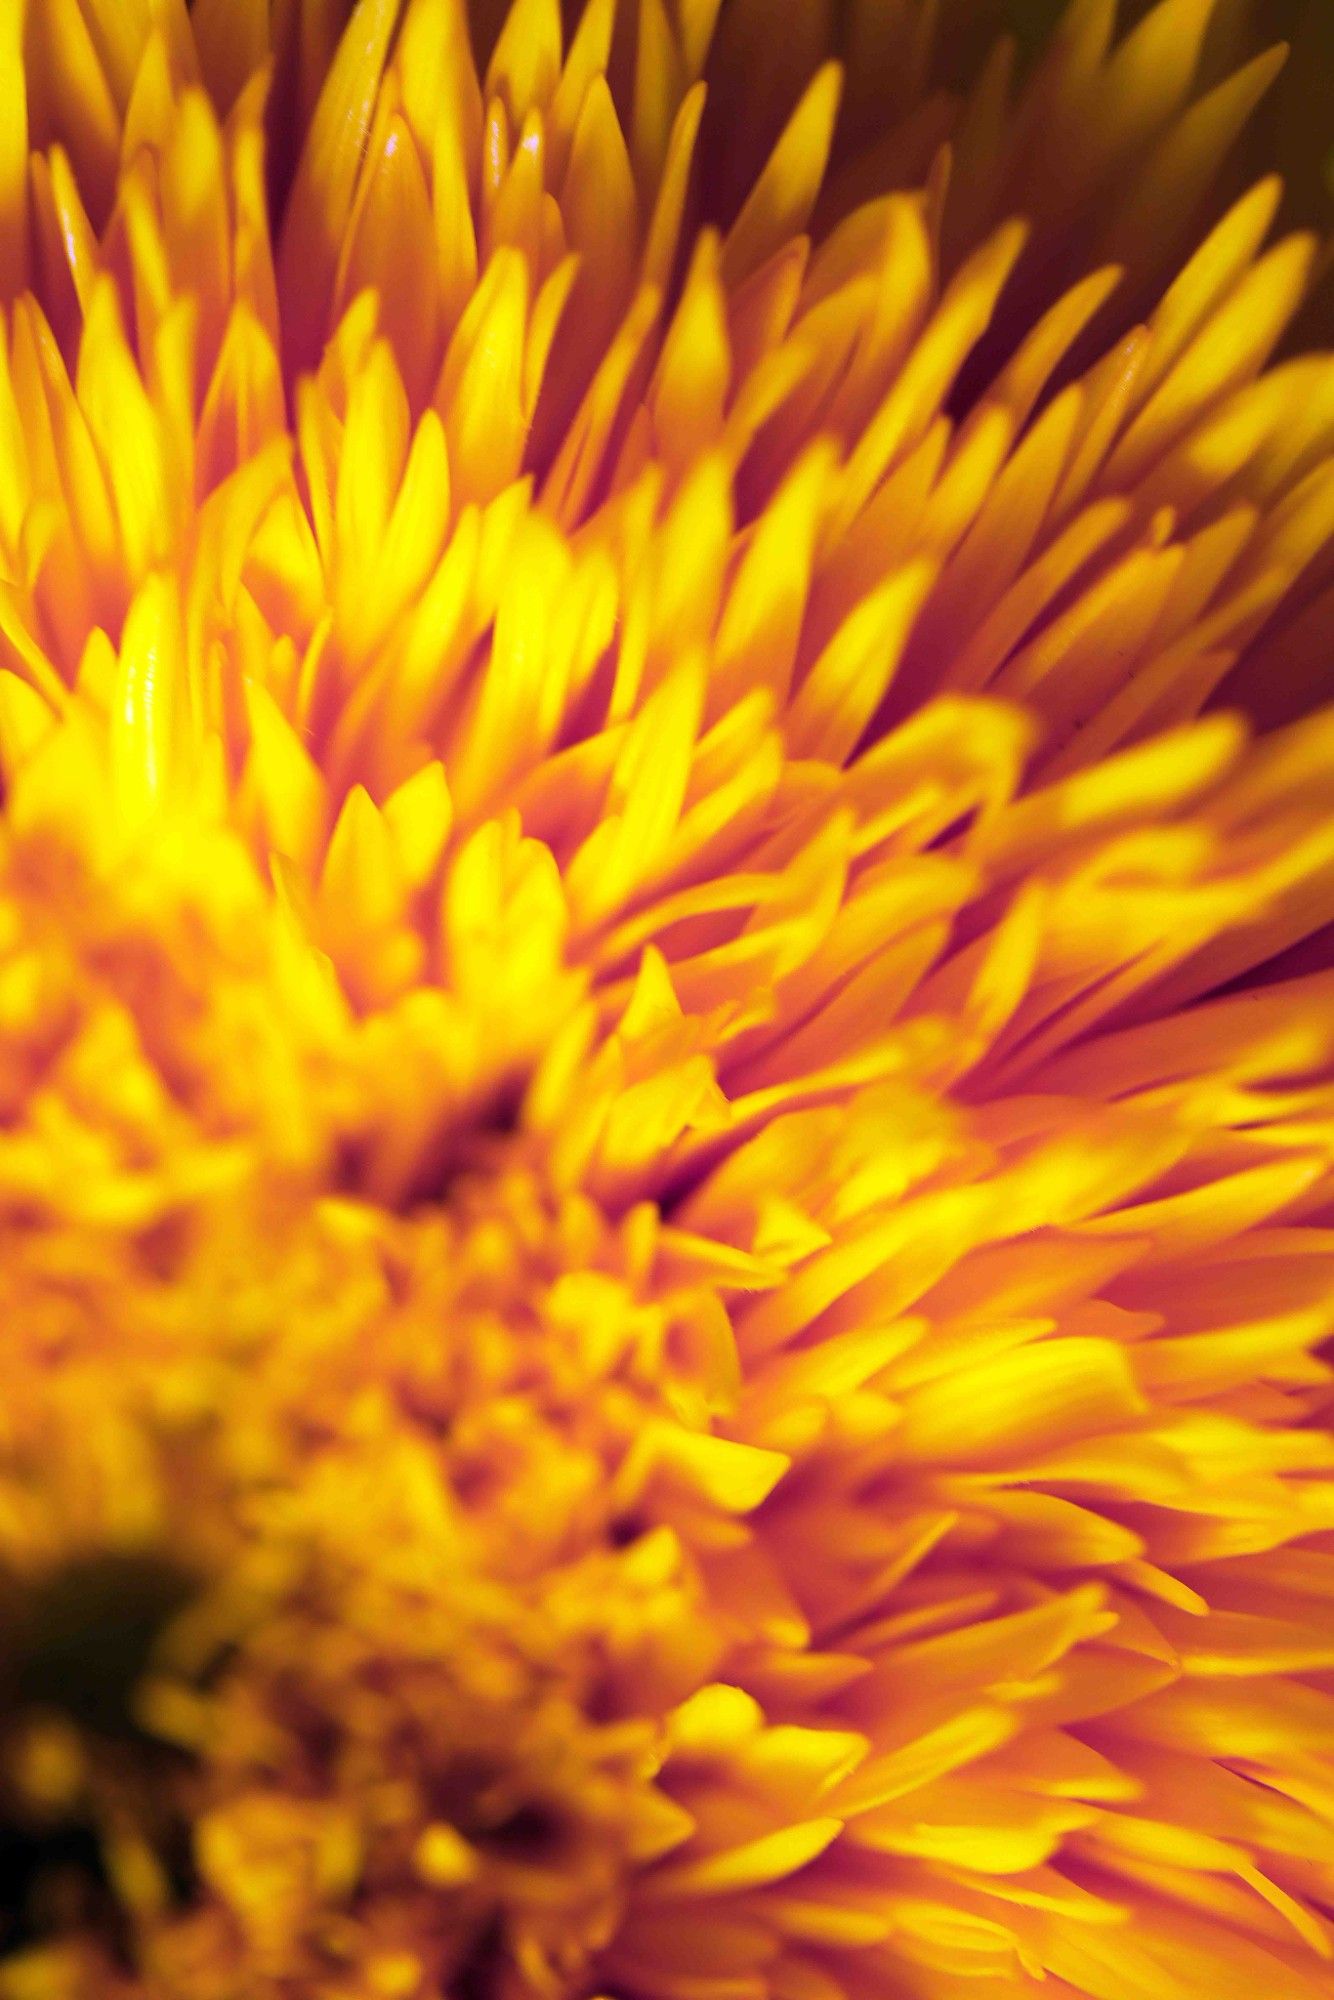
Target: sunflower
pixel 666 1020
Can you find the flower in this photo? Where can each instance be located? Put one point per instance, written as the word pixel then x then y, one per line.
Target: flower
pixel 666 1042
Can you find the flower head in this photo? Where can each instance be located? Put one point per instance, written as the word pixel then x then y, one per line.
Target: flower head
pixel 666 1043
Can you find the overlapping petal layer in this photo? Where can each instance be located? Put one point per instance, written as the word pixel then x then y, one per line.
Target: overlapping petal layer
pixel 666 1060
